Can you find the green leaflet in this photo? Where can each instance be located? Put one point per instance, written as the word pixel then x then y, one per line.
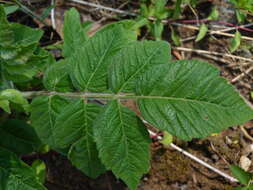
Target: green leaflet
pixel 157 29
pixel 214 15
pixel 242 176
pixel 130 27
pixel 56 77
pixel 44 110
pixel 235 42
pixel 84 155
pixel 74 35
pixel 5 105
pixel 202 32
pixel 74 122
pixel 74 127
pixel 20 56
pixel 10 9
pixel 40 169
pixel 189 100
pixel 25 36
pixel 167 139
pixel 123 143
pixel 133 60
pixel 25 71
pixel 19 137
pixel 14 96
pixel 15 174
pixel 6 35
pixel 89 64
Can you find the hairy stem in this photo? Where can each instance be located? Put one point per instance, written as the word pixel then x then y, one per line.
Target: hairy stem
pixel 32 94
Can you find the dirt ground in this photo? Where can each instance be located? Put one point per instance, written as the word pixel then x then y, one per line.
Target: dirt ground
pixel 170 170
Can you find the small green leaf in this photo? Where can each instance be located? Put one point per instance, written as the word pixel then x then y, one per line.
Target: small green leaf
pixel 214 15
pixel 235 42
pixel 243 176
pixel 123 143
pixel 19 137
pixel 25 36
pixel 202 32
pixel 16 97
pixel 10 9
pixel 177 9
pixel 15 174
pixel 40 170
pixel 160 10
pixel 5 105
pixel 240 16
pixel 144 10
pixel 158 30
pixel 175 37
pixel 167 138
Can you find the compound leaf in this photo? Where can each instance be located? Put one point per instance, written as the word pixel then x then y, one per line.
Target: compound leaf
pixel 44 110
pixel 133 60
pixel 19 137
pixel 190 100
pixel 15 174
pixel 89 65
pixel 123 143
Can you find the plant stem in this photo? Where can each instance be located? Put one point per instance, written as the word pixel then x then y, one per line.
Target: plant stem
pixel 32 94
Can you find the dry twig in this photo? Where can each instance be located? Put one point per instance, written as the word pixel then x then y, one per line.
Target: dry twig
pixel 198 51
pixel 189 155
pixel 246 134
pixel 241 75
